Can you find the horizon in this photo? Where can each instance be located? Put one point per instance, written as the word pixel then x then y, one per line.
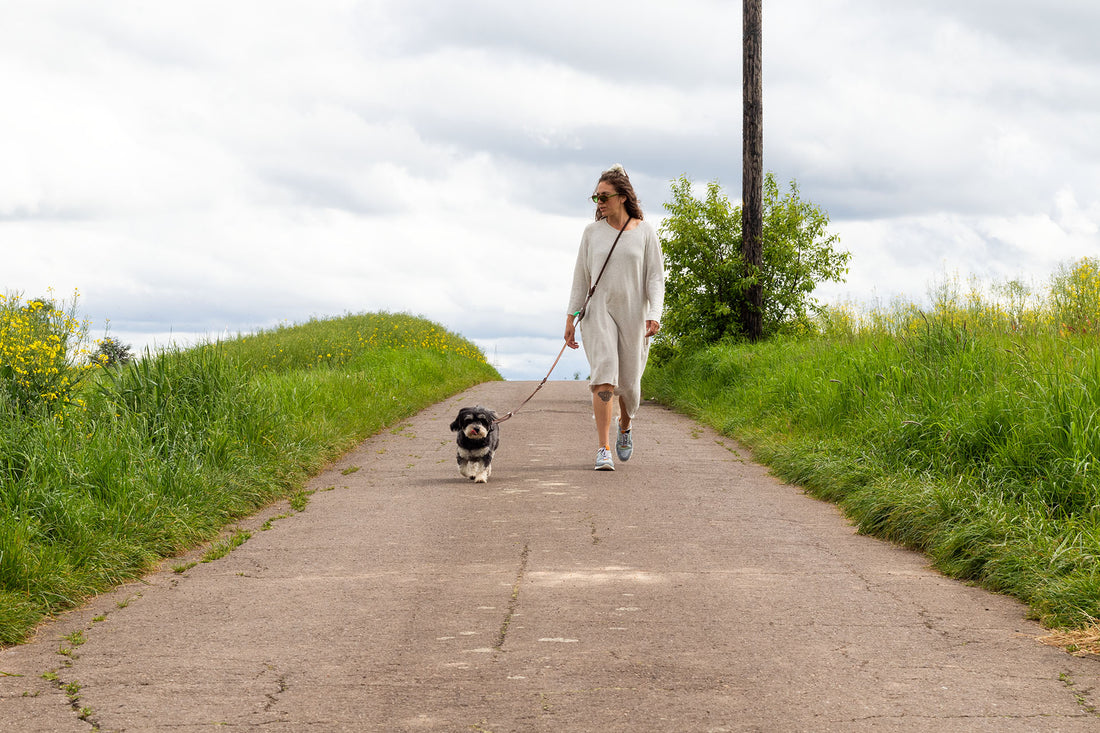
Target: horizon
pixel 211 168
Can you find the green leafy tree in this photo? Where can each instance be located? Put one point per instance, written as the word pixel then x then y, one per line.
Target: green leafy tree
pixel 112 352
pixel 707 279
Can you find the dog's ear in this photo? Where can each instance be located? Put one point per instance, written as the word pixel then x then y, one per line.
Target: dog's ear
pixel 457 424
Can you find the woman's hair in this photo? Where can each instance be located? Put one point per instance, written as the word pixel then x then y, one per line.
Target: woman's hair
pixel 616 176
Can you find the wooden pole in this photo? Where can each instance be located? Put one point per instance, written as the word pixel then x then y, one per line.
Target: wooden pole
pixel 752 175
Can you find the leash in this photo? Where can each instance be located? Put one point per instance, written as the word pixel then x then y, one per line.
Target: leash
pixel 579 315
pixel 513 412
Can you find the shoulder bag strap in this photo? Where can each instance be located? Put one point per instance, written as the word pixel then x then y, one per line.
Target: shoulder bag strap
pixel 580 313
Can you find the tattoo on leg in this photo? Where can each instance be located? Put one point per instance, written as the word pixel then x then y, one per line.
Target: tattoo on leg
pixel 605 395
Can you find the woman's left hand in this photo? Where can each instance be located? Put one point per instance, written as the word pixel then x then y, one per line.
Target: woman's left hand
pixel 651 328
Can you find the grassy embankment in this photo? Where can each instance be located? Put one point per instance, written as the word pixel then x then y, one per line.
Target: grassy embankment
pixel 102 478
pixel 970 431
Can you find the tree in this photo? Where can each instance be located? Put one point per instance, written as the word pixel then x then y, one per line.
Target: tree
pixel 704 272
pixel 707 281
pixel 112 352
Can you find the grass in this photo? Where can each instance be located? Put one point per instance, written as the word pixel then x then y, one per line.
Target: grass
pixel 150 459
pixel 964 431
pixel 223 547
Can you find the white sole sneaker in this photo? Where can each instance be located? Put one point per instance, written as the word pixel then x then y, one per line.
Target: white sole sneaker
pixel 604 461
pixel 624 444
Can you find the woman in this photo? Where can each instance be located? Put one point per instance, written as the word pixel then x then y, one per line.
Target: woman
pixel 624 310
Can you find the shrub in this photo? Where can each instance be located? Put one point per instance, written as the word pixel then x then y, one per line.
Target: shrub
pixel 1075 295
pixel 42 345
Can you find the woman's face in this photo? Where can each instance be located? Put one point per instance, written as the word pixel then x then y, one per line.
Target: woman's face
pixel 612 207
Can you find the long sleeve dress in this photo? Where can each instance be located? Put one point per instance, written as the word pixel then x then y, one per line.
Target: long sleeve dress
pixel 631 292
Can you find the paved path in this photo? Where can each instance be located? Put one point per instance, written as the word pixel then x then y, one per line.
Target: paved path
pixel 686 591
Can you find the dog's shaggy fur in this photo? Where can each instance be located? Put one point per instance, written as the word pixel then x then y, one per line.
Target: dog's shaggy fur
pixel 478 438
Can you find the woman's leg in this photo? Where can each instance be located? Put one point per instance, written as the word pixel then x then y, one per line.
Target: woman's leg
pixel 624 415
pixel 603 407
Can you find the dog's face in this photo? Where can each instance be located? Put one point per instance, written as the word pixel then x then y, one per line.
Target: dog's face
pixel 474 422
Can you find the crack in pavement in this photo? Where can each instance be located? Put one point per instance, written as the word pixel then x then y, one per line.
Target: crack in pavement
pixel 281 686
pixel 513 602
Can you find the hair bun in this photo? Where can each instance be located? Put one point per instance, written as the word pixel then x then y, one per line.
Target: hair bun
pixel 617 168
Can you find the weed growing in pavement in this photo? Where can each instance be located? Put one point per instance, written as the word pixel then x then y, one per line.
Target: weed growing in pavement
pixel 127 601
pixel 76 638
pixel 299 500
pixel 968 430
pixel 271 521
pixel 222 548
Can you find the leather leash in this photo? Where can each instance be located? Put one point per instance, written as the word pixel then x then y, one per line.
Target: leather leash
pixel 579 315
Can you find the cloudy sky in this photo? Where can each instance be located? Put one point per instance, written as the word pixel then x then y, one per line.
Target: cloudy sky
pixel 196 168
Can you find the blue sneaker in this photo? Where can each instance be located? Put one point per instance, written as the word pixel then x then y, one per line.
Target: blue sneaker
pixel 603 460
pixel 624 445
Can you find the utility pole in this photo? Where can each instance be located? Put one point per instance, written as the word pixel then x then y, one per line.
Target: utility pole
pixel 752 174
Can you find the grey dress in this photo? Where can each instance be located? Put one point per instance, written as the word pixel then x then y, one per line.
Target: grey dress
pixel 631 292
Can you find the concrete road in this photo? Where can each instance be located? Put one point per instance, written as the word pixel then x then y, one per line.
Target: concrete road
pixel 686 591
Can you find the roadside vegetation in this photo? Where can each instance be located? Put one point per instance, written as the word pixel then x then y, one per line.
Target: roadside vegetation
pixel 968 429
pixel 109 464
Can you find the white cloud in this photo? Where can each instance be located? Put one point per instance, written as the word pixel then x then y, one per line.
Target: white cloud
pixel 905 256
pixel 199 167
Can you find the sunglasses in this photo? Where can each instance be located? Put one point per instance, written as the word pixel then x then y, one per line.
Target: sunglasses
pixel 601 198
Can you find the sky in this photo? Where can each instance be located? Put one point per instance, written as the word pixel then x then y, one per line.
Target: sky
pixel 202 169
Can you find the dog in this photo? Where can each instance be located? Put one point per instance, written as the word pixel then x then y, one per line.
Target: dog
pixel 478 438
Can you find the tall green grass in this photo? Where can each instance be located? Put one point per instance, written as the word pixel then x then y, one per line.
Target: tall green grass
pixel 162 453
pixel 960 430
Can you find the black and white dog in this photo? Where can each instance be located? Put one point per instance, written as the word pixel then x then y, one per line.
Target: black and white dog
pixel 478 438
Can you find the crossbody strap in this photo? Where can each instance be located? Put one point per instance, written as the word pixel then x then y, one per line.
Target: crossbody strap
pixel 591 290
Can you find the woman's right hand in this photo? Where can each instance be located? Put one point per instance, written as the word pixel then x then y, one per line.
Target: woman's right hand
pixel 570 332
